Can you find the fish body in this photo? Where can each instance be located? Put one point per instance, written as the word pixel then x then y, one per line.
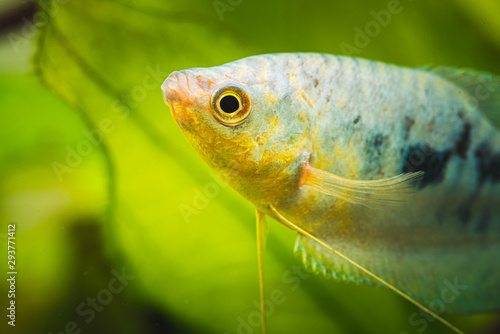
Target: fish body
pixel 311 115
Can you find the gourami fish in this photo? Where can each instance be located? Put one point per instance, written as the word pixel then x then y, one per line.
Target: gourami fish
pixel 391 175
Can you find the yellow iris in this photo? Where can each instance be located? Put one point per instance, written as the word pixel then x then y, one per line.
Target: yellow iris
pixel 230 104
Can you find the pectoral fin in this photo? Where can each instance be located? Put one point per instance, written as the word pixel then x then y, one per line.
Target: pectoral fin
pixel 370 193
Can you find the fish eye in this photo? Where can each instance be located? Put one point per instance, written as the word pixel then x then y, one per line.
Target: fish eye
pixel 230 104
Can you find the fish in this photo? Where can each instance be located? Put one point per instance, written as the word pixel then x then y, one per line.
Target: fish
pixel 389 174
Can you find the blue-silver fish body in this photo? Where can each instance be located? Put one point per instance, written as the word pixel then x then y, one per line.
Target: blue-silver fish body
pixel 317 115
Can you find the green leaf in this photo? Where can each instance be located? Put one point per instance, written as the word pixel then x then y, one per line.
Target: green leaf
pixel 43 208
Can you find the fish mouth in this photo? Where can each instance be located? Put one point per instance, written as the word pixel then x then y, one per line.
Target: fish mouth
pixel 176 94
pixel 171 87
pixel 173 94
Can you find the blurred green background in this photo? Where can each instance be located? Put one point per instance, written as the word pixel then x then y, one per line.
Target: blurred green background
pixel 121 228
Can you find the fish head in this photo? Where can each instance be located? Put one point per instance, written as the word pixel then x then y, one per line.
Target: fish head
pixel 243 119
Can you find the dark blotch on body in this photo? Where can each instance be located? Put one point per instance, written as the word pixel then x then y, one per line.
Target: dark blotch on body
pixel 378 141
pixel 463 142
pixel 461 114
pixel 422 157
pixel 407 126
pixel 488 164
pixel 376 144
pixel 356 120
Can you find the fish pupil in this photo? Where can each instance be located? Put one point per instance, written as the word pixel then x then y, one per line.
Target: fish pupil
pixel 229 104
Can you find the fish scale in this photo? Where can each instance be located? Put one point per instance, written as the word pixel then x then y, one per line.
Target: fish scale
pixel 398 169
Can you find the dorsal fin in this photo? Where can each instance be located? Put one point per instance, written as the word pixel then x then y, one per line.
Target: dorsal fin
pixel 482 87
